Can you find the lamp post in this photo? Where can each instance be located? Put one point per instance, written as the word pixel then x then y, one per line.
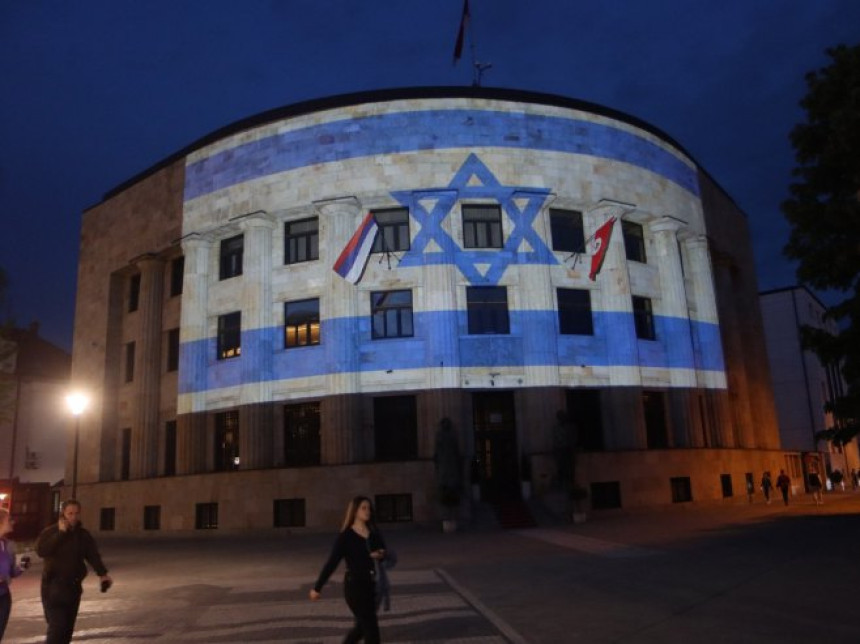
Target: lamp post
pixel 77 403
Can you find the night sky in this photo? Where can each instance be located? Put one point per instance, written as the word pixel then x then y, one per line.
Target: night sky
pixel 96 91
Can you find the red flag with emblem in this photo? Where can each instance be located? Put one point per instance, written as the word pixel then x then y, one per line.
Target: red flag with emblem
pixel 598 246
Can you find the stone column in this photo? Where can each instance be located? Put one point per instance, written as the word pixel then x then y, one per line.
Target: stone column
pixel 705 322
pixel 258 337
pixel 144 436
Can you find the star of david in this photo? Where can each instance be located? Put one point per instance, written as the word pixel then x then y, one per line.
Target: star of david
pixel 474 180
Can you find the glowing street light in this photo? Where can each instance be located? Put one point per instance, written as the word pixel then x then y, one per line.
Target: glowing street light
pixel 77 404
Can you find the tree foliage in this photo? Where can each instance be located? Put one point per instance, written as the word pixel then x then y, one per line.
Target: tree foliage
pixel 824 212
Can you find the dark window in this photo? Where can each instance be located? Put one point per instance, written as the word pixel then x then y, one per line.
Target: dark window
pixel 152 517
pixel 177 274
pixel 574 312
pixel 487 309
pixel 726 484
pixel 129 361
pixel 227 441
pixel 583 407
pixel 229 335
pixel 393 508
pixel 605 495
pixel 301 240
pixel 107 519
pixel 231 257
pixel 643 318
pixel 654 409
pixel 170 448
pixel 288 513
pixel 125 456
pixel 173 350
pixel 482 226
pixel 134 293
pixel 567 232
pixel 206 516
pixel 302 434
pixel 393 235
pixel 301 323
pixel 682 491
pixel 634 241
pixel 395 423
pixel 391 314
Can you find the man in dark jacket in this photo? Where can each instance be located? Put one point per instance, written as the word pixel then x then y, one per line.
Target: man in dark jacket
pixel 65 546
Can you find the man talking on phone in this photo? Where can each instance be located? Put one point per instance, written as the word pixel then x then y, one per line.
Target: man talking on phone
pixel 65 547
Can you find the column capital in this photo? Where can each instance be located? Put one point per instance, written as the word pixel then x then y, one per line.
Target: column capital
pixel 339 205
pixel 665 225
pixel 147 259
pixel 257 219
pixel 195 241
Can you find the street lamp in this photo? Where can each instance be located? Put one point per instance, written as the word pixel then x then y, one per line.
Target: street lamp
pixel 77 403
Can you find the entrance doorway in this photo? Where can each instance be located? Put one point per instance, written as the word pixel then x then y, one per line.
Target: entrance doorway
pixel 494 425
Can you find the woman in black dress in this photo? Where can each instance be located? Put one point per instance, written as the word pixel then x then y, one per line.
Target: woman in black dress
pixel 359 544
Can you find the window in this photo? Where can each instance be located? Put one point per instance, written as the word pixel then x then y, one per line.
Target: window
pixel 643 318
pixel 152 517
pixel 583 405
pixel 206 516
pixel 605 495
pixel 301 240
pixel 125 455
pixel 574 312
pixel 567 232
pixel 393 235
pixel 487 309
pixel 302 434
pixel 726 485
pixel 173 350
pixel 177 274
pixel 301 323
pixel 231 257
pixel 226 441
pixel 288 513
pixel 395 422
pixel 654 409
pixel 129 361
pixel 170 448
pixel 391 314
pixel 134 293
pixel 229 335
pixel 681 489
pixel 107 519
pixel 482 226
pixel 393 508
pixel 634 241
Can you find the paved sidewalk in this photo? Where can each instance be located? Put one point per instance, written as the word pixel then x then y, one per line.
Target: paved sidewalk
pixel 739 573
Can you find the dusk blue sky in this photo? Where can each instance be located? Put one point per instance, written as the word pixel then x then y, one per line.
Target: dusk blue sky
pixel 94 92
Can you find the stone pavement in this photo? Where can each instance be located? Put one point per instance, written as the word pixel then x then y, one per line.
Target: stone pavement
pixel 736 573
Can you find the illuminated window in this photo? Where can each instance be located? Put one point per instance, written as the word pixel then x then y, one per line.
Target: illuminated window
pixel 229 335
pixel 301 240
pixel 391 314
pixel 393 235
pixel 567 231
pixel 482 226
pixel 231 257
pixel 301 323
pixel 487 309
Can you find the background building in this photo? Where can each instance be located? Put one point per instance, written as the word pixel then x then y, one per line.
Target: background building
pixel 244 383
pixel 802 384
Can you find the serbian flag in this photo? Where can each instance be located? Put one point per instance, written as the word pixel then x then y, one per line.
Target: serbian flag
pixel 598 246
pixel 461 34
pixel 353 259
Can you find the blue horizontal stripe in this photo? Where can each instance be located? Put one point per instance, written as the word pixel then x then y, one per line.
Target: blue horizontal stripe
pixel 429 130
pixel 442 340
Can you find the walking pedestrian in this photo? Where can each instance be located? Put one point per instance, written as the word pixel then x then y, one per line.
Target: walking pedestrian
pixel 783 483
pixel 66 547
pixel 766 486
pixel 359 544
pixel 815 488
pixel 9 568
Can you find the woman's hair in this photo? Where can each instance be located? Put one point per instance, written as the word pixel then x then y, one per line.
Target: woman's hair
pixel 351 511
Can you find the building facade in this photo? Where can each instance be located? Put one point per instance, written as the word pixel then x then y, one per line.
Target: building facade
pixel 531 254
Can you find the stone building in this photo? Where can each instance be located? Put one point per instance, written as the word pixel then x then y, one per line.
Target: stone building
pixel 244 383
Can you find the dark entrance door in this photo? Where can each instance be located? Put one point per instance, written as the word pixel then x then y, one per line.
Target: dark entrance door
pixel 496 444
